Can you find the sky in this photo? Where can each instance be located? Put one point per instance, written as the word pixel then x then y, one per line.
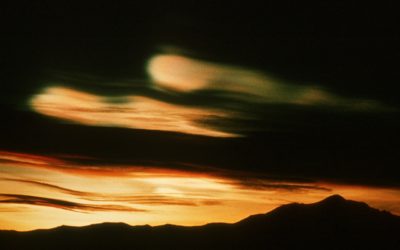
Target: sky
pixel 195 113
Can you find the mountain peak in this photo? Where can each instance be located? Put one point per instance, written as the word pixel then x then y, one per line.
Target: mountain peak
pixel 338 203
pixel 334 199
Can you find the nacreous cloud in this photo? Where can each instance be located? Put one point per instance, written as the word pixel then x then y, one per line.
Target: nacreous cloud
pixel 136 112
pixel 191 96
pixel 183 74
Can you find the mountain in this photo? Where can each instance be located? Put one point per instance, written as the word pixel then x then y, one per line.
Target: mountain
pixel 333 223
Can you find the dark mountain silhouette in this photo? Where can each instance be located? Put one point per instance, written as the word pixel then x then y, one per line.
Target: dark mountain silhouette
pixel 333 223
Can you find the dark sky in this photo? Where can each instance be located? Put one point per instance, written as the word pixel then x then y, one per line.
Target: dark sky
pixel 350 50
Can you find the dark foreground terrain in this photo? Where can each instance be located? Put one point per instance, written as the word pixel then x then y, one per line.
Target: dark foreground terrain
pixel 333 223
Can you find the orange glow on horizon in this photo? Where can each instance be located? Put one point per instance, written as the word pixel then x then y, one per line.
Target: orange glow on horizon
pixel 44 195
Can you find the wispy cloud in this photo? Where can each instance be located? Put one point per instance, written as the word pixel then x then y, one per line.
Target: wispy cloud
pixel 51 186
pixel 260 184
pixel 63 204
pixel 130 199
pixel 240 179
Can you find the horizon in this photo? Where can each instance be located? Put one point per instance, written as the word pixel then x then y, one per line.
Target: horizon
pixel 305 205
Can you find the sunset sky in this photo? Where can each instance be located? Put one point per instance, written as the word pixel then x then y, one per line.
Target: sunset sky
pixel 159 115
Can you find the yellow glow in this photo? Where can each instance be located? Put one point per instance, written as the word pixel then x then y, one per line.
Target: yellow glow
pixel 46 195
pixel 137 112
pixel 180 73
pixel 184 74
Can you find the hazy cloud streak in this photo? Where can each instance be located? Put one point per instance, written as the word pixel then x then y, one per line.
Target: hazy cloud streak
pixel 63 204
